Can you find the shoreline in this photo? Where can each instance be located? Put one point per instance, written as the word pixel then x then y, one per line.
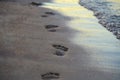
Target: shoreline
pixel 109 18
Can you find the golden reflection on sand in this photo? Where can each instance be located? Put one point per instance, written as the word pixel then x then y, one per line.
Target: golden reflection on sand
pixel 67 1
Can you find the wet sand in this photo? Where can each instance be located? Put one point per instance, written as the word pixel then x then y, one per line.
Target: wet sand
pixel 27 51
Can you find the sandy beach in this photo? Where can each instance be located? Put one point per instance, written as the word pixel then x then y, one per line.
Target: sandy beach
pixel 26 45
pixel 26 1
pixel 35 45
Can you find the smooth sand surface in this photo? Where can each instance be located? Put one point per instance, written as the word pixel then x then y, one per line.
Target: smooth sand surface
pixel 25 1
pixel 26 50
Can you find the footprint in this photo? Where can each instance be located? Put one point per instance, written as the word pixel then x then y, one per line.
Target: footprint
pixel 46 13
pixel 60 47
pixel 59 53
pixel 50 75
pixel 51 28
pixel 36 4
pixel 50 13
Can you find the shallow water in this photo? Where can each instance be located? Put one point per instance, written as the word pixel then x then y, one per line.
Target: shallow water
pixel 103 47
pixel 115 6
